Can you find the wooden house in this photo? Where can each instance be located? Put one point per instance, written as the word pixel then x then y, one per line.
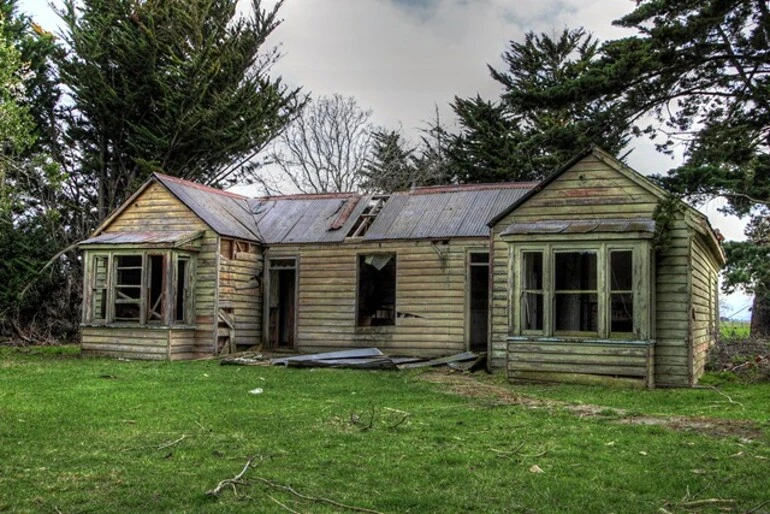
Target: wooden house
pixel 181 271
pixel 584 285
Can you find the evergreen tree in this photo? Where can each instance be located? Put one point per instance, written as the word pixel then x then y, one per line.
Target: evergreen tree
pixel 701 68
pixel 390 166
pixel 520 139
pixel 181 87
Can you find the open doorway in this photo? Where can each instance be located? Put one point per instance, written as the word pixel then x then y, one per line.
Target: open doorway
pixel 282 305
pixel 478 300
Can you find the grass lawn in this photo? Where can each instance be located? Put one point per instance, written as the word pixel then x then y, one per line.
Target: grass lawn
pixel 93 435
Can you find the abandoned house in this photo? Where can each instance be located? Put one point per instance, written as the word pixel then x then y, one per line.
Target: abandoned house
pixel 558 280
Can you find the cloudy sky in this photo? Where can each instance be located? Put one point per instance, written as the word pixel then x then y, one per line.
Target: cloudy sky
pixel 401 58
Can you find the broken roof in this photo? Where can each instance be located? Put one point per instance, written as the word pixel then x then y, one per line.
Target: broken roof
pixel 154 238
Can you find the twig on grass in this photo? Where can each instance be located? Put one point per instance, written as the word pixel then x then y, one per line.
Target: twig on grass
pixel 232 482
pixel 317 499
pixel 756 509
pixel 708 501
pixel 729 400
pixel 172 443
pixel 284 506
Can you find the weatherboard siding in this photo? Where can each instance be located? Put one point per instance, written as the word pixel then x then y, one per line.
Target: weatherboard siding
pixel 240 290
pixel 430 297
pixel 704 305
pixel 591 189
pixel 156 209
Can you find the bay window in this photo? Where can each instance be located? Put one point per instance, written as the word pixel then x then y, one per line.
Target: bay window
pixel 581 290
pixel 138 287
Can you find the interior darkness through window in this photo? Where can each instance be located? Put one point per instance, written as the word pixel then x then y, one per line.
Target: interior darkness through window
pixel 576 299
pixel 376 290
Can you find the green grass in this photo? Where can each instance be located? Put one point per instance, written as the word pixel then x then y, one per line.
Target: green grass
pixel 734 329
pixel 88 435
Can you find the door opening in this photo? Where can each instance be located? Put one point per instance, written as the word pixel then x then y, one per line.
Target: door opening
pixel 282 306
pixel 478 299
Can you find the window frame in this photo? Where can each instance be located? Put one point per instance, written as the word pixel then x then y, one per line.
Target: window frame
pixel 170 259
pixel 641 288
pixel 357 320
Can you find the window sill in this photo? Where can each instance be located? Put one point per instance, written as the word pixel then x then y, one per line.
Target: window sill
pixel 137 326
pixel 578 340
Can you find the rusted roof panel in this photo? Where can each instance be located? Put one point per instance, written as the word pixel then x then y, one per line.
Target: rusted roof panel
pixel 448 212
pixel 157 237
pixel 306 219
pixel 226 213
pixel 581 226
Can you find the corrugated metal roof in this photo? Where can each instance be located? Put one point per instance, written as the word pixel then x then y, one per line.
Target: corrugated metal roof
pixel 581 226
pixel 226 213
pixel 308 219
pixel 442 213
pixel 155 237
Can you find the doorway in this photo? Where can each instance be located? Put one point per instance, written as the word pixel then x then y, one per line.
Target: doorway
pixel 282 305
pixel 478 300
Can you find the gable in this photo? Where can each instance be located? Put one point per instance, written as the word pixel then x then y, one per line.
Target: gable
pixel 152 208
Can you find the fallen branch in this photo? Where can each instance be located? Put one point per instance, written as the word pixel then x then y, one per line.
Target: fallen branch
pixel 232 482
pixel 709 501
pixel 729 400
pixel 284 506
pixel 172 443
pixel 317 499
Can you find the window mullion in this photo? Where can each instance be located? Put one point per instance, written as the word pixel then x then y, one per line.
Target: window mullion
pixel 603 285
pixel 143 294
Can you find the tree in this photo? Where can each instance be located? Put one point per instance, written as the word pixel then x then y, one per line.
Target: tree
pixel 701 68
pixel 176 86
pixel 433 162
pixel 26 223
pixel 390 166
pixel 323 150
pixel 517 138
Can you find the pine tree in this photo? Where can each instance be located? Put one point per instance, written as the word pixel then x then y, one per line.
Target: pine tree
pixel 176 86
pixel 390 166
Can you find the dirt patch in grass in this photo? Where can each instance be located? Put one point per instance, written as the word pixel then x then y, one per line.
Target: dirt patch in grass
pixel 472 387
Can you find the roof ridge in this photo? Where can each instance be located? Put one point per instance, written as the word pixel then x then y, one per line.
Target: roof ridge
pixel 201 187
pixel 302 196
pixel 457 188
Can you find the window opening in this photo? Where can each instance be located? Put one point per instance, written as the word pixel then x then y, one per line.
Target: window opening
pixel 182 290
pixel 576 296
pixel 365 220
pixel 376 290
pixel 532 291
pixel 621 292
pixel 128 287
pixel 155 289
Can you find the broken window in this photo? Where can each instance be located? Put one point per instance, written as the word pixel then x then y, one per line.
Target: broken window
pixel 621 292
pixel 99 288
pixel 182 292
pixel 575 290
pixel 532 291
pixel 376 290
pixel 135 288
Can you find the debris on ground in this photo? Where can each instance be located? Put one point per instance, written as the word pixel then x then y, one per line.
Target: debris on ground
pixel 748 358
pixel 357 358
pixel 248 358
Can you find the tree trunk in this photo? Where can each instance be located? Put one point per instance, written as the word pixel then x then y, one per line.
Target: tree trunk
pixel 760 317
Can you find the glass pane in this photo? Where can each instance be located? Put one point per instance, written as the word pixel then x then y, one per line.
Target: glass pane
pixel 575 271
pixel 532 311
pixel 577 312
pixel 621 271
pixel 622 312
pixel 533 270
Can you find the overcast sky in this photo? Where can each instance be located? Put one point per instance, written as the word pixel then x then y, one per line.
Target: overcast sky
pixel 401 58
